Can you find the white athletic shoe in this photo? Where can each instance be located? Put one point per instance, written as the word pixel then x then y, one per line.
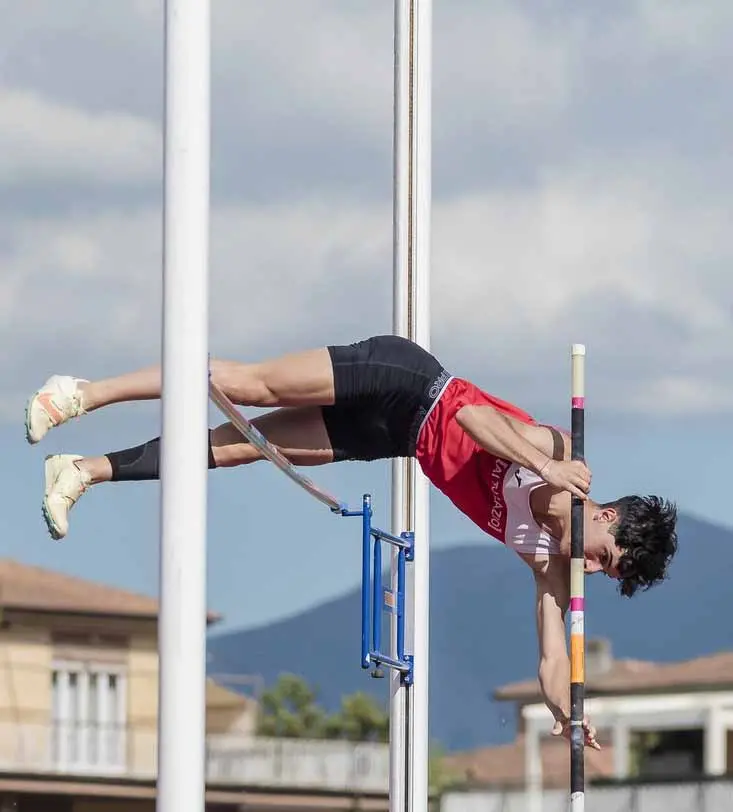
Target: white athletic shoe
pixel 58 400
pixel 65 483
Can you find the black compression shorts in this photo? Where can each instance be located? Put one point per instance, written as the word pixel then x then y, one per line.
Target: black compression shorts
pixel 384 388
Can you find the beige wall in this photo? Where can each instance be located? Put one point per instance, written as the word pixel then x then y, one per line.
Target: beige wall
pixel 29 644
pixel 25 695
pixel 235 720
pixel 25 663
pixel 28 647
pixel 142 681
pixel 142 704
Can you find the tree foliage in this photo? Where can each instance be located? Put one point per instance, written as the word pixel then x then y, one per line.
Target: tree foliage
pixel 360 719
pixel 290 709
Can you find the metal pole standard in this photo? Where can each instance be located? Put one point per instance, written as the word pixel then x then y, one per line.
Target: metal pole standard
pixel 577 590
pixel 419 593
pixel 184 447
pixel 409 750
pixel 401 507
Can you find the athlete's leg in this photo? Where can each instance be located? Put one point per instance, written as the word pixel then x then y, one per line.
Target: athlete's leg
pixel 299 433
pixel 297 379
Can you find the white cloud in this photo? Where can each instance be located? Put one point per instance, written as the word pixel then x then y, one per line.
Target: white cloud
pixel 682 395
pixel 600 257
pixel 323 60
pixel 499 69
pixel 80 294
pixel 576 235
pixel 681 29
pixel 43 141
pixel 556 227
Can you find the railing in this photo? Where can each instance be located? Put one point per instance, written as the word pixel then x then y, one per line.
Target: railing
pixel 299 763
pixel 704 796
pixel 112 751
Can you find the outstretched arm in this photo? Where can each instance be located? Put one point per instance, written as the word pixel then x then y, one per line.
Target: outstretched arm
pixel 553 598
pixel 552 601
pixel 531 446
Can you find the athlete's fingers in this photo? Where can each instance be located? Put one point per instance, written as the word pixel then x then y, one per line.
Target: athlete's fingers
pixel 576 491
pixel 590 738
pixel 582 483
pixel 591 734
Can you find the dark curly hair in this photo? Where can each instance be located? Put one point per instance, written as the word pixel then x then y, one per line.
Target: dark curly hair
pixel 646 532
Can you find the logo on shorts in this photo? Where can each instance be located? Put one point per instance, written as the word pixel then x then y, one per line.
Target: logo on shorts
pixel 438 385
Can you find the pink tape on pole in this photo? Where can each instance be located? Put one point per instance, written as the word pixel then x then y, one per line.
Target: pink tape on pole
pixel 577 604
pixel 578 403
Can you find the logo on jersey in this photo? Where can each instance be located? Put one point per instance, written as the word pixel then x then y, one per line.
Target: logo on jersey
pixel 497 515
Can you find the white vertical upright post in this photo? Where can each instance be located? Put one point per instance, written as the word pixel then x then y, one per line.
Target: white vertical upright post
pixel 184 452
pixel 409 737
pixel 421 240
pixel 532 766
pixel 401 507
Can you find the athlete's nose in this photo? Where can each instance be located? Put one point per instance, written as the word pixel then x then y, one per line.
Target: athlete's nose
pixel 592 567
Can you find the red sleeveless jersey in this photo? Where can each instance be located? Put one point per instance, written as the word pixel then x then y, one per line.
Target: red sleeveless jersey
pixel 469 476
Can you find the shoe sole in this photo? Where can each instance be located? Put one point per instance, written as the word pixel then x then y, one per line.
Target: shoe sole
pixel 52 529
pixel 55 535
pixel 28 408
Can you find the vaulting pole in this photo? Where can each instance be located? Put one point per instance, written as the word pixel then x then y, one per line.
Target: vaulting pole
pixel 577 590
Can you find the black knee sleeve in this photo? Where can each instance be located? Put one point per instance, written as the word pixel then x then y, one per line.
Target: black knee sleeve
pixel 141 462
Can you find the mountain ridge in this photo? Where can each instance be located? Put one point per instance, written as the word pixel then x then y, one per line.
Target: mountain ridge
pixel 483 635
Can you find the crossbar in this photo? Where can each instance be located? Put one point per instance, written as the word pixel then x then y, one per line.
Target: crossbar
pixel 270 452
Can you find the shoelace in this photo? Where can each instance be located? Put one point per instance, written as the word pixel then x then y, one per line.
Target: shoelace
pixel 74 407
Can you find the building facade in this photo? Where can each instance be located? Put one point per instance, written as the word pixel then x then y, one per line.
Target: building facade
pixel 657 723
pixel 78 714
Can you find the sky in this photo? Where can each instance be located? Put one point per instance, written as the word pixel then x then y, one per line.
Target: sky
pixel 581 193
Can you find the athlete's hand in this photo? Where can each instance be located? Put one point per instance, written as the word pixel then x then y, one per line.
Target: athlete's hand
pixel 563 729
pixel 569 475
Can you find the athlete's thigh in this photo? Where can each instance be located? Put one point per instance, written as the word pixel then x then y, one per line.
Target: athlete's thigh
pixel 302 378
pixel 299 432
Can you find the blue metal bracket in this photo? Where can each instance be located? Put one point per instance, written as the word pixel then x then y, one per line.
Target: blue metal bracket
pixel 376 600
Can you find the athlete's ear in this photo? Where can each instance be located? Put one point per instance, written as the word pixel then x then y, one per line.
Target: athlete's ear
pixel 607 515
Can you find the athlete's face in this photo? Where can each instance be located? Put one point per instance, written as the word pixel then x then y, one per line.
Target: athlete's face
pixel 601 552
